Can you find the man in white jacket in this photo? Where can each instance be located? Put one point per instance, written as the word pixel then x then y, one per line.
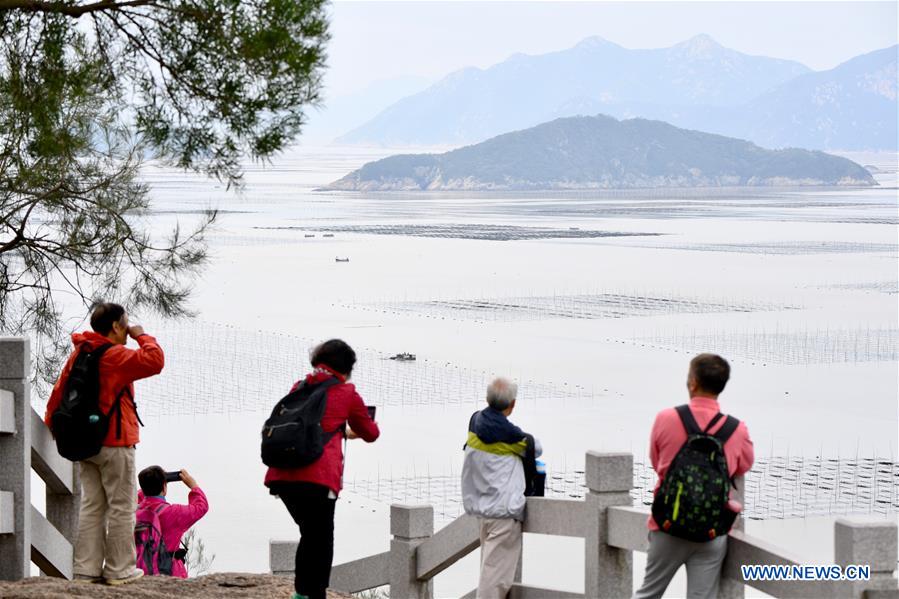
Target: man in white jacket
pixel 497 456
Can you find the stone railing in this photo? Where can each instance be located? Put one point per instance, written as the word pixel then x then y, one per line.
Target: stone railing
pixel 26 535
pixel 612 529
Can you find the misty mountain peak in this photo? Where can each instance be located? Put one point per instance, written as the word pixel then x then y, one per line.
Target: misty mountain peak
pixel 700 46
pixel 595 42
pixel 697 83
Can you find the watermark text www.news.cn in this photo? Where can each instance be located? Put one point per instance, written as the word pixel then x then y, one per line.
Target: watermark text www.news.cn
pixel 806 572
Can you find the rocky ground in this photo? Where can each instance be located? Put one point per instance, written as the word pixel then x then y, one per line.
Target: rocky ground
pixel 214 586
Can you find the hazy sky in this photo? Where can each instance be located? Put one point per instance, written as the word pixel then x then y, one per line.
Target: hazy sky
pixel 373 41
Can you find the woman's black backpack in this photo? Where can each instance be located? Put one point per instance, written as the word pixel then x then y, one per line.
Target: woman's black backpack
pixel 292 437
pixel 691 502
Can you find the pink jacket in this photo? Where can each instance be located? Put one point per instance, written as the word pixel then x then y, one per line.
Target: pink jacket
pixel 668 435
pixel 176 519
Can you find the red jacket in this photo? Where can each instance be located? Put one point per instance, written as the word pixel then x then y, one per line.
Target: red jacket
pixel 668 435
pixel 343 405
pixel 119 368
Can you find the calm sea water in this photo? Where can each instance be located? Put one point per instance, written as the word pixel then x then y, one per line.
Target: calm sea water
pixel 594 303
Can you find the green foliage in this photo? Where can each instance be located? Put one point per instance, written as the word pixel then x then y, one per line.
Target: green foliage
pixel 88 90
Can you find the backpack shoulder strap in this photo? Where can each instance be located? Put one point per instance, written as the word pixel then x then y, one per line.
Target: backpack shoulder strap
pixel 727 429
pixel 713 422
pixel 101 350
pixel 117 408
pixel 321 394
pixel 161 508
pixel 321 389
pixel 686 417
pixel 327 383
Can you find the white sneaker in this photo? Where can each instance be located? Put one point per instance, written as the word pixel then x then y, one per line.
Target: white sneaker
pixel 136 575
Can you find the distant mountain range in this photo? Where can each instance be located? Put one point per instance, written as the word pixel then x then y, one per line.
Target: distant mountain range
pixel 337 112
pixel 698 84
pixel 852 106
pixel 603 152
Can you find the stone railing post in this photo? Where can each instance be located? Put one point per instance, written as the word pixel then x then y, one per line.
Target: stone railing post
pixel 608 570
pixel 15 459
pixel 729 588
pixel 63 509
pixel 410 527
pixel 868 543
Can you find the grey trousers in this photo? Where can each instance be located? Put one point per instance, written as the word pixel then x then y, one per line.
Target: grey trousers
pixel 668 553
pixel 500 550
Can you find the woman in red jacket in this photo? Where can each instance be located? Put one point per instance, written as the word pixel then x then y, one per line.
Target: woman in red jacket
pixel 310 492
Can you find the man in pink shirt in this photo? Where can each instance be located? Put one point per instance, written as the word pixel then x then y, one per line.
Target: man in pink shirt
pixel 707 378
pixel 174 519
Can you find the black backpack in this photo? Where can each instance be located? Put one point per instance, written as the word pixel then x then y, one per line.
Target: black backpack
pixel 292 437
pixel 78 424
pixel 691 502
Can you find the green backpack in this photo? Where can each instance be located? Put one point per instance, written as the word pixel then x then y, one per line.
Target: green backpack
pixel 691 502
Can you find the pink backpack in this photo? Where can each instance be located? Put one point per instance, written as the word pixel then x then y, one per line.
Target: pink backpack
pixel 152 556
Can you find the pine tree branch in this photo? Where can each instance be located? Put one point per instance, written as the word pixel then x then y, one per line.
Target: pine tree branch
pixel 71 10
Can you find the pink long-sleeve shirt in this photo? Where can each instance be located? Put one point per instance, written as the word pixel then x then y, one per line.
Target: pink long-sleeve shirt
pixel 176 519
pixel 668 435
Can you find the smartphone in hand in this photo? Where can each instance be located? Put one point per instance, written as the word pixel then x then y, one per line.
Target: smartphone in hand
pixel 172 477
pixel 371 411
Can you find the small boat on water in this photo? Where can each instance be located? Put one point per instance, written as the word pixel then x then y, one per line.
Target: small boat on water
pixel 328 235
pixel 403 357
pixel 310 235
pixel 341 259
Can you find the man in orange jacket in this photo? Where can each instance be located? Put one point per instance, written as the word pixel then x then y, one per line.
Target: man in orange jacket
pixel 105 545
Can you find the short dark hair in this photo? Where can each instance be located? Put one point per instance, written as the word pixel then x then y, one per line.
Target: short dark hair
pixel 711 372
pixel 336 354
pixel 151 480
pixel 104 315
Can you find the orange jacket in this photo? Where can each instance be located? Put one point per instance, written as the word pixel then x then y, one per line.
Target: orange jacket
pixel 119 368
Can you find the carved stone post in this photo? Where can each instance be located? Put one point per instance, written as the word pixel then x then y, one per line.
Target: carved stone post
pixel 608 570
pixel 410 527
pixel 872 544
pixel 15 459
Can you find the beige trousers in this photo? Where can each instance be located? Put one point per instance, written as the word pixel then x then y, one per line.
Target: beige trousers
pixel 105 544
pixel 500 550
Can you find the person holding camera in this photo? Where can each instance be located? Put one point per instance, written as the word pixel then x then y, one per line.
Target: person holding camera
pixel 160 524
pixel 306 467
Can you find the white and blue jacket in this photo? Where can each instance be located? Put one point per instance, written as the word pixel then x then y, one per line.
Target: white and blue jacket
pixel 493 474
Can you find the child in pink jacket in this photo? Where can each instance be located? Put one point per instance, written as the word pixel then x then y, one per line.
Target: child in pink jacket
pixel 175 519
